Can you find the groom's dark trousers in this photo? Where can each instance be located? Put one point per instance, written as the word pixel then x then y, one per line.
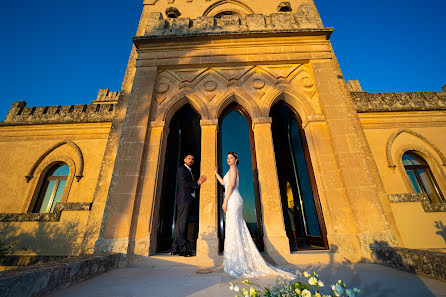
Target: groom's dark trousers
pixel 186 187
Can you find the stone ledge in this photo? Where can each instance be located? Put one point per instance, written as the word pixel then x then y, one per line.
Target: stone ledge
pixel 418 197
pixel 98 112
pixel 46 217
pixel 410 101
pixel 40 279
pixel 427 263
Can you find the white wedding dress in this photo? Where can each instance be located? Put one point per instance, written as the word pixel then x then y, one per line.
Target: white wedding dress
pixel 241 256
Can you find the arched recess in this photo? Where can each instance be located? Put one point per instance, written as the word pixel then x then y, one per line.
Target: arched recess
pixel 184 136
pixel 167 110
pixel 235 6
pixel 418 145
pixel 41 170
pixel 298 103
pixel 244 100
pixel 392 138
pixel 79 159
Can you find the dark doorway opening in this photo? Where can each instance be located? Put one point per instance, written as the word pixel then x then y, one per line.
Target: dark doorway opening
pixel 184 137
pixel 304 223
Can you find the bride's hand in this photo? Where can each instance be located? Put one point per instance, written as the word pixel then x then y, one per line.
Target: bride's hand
pixel 225 206
pixel 216 170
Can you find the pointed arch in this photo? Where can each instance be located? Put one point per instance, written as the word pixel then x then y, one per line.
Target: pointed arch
pixel 301 106
pixel 79 163
pixel 167 111
pixel 392 138
pixel 241 98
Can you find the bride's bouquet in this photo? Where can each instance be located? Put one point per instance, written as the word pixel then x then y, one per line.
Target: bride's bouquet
pixel 282 288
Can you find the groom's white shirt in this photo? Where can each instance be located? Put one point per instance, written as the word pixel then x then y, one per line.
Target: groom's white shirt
pixel 190 170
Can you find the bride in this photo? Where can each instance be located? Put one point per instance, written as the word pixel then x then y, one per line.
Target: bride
pixel 241 257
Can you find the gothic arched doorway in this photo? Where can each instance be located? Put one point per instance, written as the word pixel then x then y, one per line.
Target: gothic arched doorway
pixel 235 135
pixel 304 223
pixel 184 137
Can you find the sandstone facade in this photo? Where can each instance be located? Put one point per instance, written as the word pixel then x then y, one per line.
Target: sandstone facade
pixel 212 55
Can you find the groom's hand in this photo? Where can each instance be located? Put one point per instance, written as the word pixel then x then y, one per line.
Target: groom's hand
pixel 202 179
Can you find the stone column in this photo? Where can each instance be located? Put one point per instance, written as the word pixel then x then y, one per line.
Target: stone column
pixel 207 243
pixel 145 218
pixel 360 179
pixel 276 241
pixel 115 229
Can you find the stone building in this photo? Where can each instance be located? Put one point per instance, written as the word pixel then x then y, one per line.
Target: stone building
pixel 329 170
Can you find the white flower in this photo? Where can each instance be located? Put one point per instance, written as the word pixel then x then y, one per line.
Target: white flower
pixel 252 291
pixel 236 288
pixel 317 294
pixel 298 291
pixel 339 281
pixel 337 294
pixel 306 274
pixel 231 287
pixel 320 283
pixel 333 287
pixel 312 281
pixel 306 293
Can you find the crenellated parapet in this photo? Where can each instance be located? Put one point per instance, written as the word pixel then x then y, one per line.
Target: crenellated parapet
pixel 105 96
pixel 305 19
pixel 410 101
pixel 19 114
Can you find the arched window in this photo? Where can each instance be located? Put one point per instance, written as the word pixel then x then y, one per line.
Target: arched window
pixel 52 188
pixel 421 177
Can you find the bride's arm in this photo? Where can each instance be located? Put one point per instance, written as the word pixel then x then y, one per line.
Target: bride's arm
pixel 230 187
pixel 220 180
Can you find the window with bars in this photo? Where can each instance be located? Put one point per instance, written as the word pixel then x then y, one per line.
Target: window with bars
pixel 421 177
pixel 52 188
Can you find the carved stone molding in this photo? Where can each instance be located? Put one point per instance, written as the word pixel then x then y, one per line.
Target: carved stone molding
pixel 79 163
pixel 392 138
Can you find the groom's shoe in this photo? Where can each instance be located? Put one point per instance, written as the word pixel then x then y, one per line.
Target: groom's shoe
pixel 174 252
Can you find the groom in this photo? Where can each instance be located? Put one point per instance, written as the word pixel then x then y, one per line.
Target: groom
pixel 186 192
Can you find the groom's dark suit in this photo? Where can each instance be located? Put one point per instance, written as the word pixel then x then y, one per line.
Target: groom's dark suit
pixel 186 191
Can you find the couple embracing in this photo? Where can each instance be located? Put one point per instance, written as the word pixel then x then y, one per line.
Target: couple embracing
pixel 241 256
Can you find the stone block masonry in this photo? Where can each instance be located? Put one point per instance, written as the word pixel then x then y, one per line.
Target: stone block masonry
pixel 39 280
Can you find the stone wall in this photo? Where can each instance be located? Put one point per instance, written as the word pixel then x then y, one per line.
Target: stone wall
pixel 19 114
pixel 40 279
pixel 410 101
pixel 427 263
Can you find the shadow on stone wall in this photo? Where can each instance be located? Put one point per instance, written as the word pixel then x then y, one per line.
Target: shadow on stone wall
pixel 441 229
pixel 48 238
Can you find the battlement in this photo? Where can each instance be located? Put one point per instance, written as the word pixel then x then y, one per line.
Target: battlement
pixel 19 114
pixel 410 101
pixel 306 19
pixel 105 96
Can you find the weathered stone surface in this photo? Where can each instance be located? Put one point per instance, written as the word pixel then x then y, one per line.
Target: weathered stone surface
pixel 63 114
pixel 427 263
pixel 26 260
pixel 411 101
pixel 418 197
pixel 46 217
pixel 304 20
pixel 40 279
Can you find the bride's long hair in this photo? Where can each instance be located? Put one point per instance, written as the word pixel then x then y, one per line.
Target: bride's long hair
pixel 235 156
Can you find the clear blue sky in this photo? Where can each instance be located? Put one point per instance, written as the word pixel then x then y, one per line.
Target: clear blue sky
pixel 61 52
